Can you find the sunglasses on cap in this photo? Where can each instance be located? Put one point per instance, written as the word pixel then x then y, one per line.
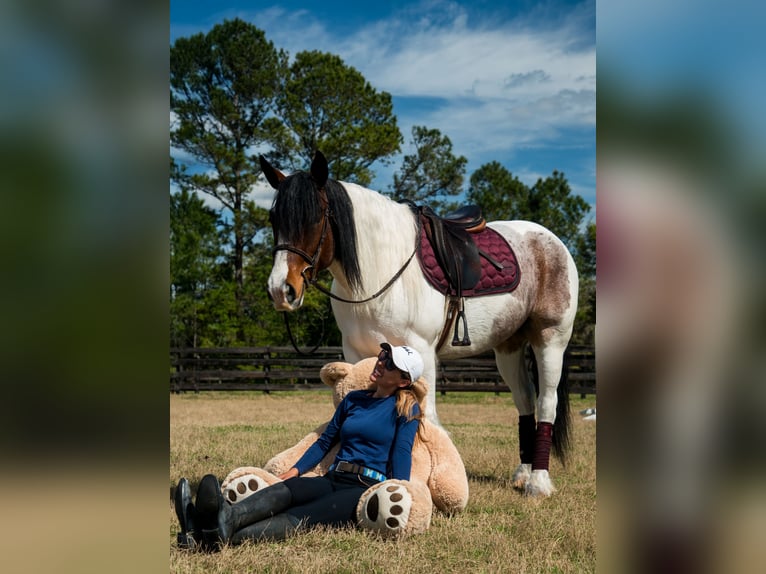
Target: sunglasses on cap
pixel 388 362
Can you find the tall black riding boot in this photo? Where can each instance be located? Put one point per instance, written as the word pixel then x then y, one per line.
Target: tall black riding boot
pixel 278 527
pixel 190 536
pixel 219 520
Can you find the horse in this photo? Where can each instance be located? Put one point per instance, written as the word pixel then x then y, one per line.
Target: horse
pixel 366 241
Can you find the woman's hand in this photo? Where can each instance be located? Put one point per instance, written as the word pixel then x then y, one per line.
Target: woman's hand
pixel 292 473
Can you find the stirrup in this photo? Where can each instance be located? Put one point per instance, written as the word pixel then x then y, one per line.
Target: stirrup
pixel 466 340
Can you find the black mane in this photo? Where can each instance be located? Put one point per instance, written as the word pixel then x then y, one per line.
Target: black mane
pixel 296 206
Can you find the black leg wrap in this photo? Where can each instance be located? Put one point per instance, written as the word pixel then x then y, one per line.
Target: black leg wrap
pixel 527 431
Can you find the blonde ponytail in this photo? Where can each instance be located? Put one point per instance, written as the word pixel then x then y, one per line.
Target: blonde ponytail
pixel 408 397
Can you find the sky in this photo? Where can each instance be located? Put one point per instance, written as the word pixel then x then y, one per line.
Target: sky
pixel 507 81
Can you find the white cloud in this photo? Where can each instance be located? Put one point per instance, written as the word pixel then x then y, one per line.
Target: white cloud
pixel 453 63
pixel 492 84
pixel 498 84
pixel 413 54
pixel 262 193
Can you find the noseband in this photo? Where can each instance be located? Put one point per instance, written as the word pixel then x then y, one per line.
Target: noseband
pixel 309 272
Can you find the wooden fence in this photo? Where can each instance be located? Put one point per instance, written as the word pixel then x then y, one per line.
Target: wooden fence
pixel 281 369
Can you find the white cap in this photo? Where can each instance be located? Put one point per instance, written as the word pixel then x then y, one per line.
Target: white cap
pixel 406 359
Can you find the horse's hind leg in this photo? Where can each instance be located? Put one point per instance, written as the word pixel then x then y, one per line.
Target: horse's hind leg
pixel 550 362
pixel 511 365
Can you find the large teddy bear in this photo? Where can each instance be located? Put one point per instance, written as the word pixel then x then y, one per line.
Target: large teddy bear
pixel 394 507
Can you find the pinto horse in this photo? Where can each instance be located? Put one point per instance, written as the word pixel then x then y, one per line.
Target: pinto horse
pixel 367 242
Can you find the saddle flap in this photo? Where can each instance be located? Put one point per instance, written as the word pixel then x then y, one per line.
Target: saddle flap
pixel 455 251
pixel 461 248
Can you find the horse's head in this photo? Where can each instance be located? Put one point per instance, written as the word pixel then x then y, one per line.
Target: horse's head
pixel 307 213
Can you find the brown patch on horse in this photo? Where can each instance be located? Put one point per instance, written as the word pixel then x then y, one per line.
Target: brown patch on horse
pixel 513 343
pixel 552 277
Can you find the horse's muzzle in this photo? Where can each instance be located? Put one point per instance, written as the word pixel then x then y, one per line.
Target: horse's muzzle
pixel 284 298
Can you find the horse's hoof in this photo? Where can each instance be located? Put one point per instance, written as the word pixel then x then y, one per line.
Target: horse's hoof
pixel 518 483
pixel 539 484
pixel 521 476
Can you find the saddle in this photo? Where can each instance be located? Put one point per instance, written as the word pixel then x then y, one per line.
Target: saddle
pixel 458 256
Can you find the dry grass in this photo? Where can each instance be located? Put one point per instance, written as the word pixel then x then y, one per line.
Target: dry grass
pixel 499 531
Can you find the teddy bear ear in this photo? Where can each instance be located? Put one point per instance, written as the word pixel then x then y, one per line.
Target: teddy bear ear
pixel 331 373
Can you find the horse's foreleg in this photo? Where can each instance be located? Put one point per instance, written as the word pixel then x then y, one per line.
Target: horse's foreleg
pixel 513 370
pixel 429 372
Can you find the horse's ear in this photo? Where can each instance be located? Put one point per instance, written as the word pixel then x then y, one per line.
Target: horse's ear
pixel 273 175
pixel 319 171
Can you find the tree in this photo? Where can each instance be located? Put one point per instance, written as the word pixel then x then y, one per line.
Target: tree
pixel 552 205
pixel 223 86
pixel 548 202
pixel 585 251
pixel 433 174
pixel 329 106
pixel 585 257
pixel 195 246
pixel 499 193
pixel 194 242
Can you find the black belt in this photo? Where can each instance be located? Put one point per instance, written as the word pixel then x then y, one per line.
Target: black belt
pixel 343 466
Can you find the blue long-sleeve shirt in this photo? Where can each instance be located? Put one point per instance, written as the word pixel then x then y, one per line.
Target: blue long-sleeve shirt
pixel 371 434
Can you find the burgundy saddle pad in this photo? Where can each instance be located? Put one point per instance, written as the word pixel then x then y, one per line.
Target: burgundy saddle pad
pixel 492 280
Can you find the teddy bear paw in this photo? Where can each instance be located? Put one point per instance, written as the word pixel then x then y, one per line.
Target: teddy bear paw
pixel 241 483
pixel 385 508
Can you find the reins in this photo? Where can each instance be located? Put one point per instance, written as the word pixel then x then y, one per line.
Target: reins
pixel 380 292
pixel 292 339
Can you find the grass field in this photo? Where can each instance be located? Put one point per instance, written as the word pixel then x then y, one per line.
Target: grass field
pixel 499 531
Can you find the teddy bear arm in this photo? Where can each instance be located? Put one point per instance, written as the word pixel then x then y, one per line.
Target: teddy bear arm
pixel 286 459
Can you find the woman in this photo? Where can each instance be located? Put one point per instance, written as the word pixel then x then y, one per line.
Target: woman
pixel 376 429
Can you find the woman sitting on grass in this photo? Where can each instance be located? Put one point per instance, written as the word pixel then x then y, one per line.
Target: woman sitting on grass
pixel 376 429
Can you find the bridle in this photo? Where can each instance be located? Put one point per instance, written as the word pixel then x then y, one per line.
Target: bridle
pixel 310 272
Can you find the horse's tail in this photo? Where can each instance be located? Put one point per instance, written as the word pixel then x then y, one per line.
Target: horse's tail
pixel 562 439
